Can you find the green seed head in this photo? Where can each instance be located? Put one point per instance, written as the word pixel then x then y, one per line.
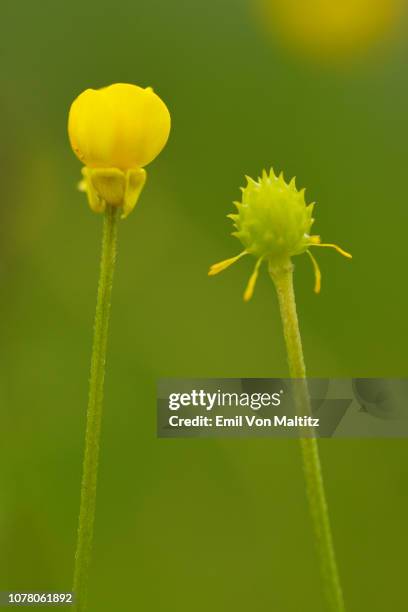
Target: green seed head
pixel 273 223
pixel 273 219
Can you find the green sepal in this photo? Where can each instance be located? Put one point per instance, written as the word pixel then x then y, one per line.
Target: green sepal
pixel 112 186
pixel 94 200
pixel 135 181
pixel 109 183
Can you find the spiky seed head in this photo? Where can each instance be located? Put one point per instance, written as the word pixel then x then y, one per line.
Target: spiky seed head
pixel 273 223
pixel 273 219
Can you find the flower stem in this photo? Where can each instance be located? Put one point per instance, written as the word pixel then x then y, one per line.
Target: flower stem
pixel 282 276
pixel 94 413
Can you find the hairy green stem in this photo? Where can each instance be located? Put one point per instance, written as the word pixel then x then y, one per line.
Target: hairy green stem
pixel 282 276
pixel 94 413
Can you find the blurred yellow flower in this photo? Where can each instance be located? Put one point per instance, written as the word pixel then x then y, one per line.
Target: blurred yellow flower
pixel 116 131
pixel 332 30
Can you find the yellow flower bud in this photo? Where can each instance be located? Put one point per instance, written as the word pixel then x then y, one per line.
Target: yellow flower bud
pixel 116 131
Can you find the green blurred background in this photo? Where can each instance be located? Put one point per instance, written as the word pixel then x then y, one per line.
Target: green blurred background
pixel 196 524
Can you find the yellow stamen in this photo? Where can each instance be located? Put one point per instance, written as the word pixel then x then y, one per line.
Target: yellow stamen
pixel 249 291
pixel 337 248
pixel 318 274
pixel 222 265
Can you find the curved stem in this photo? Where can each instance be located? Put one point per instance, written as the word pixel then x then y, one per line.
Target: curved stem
pixel 282 276
pixel 94 413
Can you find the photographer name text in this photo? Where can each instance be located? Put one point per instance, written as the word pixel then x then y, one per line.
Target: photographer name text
pixel 240 421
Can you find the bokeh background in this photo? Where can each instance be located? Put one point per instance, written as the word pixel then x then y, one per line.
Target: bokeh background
pixel 200 524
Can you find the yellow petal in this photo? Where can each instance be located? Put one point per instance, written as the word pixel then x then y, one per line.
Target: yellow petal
pixel 121 126
pixel 222 265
